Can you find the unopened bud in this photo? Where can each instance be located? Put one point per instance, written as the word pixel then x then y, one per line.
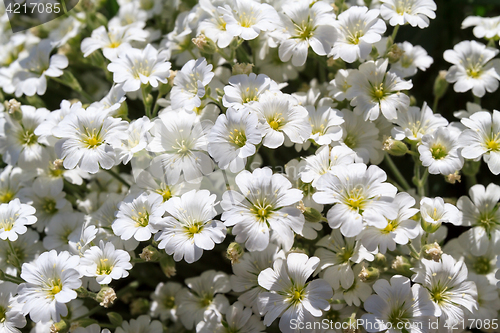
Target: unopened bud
pixel 440 85
pixel 402 266
pixel 115 318
pixel 167 265
pixel 430 227
pixel 452 178
pixel 106 297
pixel 380 260
pixel 432 252
pixel 413 100
pixel 394 53
pixel 171 78
pixel 139 306
pixel 205 44
pixel 369 274
pixel 234 252
pixel 150 253
pixel 13 107
pixel 242 68
pixel 395 147
pixel 310 214
pixel 59 327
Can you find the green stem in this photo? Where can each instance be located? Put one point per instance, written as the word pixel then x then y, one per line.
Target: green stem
pixel 147 106
pixel 118 177
pixel 10 278
pixel 421 183
pixel 131 286
pixel 424 238
pixel 396 172
pixel 14 254
pixel 394 33
pixel 413 251
pixel 435 104
pixel 477 100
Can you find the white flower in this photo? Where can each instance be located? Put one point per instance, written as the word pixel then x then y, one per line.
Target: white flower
pixel 413 57
pixel 18 141
pixel 141 324
pixel 264 205
pixel 12 179
pixel 306 24
pixel 105 263
pixel 51 281
pixel 362 137
pixel 137 139
pixel 413 12
pixel 325 123
pixel 473 68
pixel 247 18
pixel 206 297
pixel 154 181
pixel 136 216
pixel 190 228
pixel 61 228
pixel 338 87
pixel 480 212
pixel 484 27
pixel 47 198
pixel 11 317
pixel 88 137
pixel 246 89
pixel 323 160
pixel 358 28
pixel 374 90
pixel 450 292
pixel 279 115
pixel 189 84
pixel 112 41
pixel 487 299
pixel 181 141
pixel 238 319
pixel 470 109
pixel 163 300
pixel 290 296
pixel 31 79
pixel 360 196
pixel 337 254
pixel 246 272
pixel 396 302
pixel 134 67
pixel 482 138
pixel 14 217
pixel 439 151
pixel 357 293
pixel 214 27
pixel 416 122
pixel 233 138
pixel 436 211
pixel 398 231
pixel 27 247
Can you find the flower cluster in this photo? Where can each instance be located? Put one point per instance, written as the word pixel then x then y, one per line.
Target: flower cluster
pixel 245 166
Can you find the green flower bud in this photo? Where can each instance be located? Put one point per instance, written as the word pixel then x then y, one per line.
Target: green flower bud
pixel 402 266
pixel 432 251
pixel 150 253
pixel 234 252
pixel 312 215
pixel 395 147
pixel 167 265
pixel 115 318
pixel 13 107
pixel 380 260
pixel 394 53
pixel 369 274
pixel 440 85
pixel 139 306
pixel 60 327
pixel 242 68
pixel 205 44
pixel 471 168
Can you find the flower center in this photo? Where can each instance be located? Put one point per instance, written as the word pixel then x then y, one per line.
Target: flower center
pixel 237 137
pixel 169 302
pixel 354 37
pixel 247 19
pixel 183 147
pixel 206 300
pixel 297 294
pixel 49 206
pixel 141 219
pixel 262 210
pixel 3 311
pixel 391 225
pixel 378 91
pixel 54 287
pixel 194 228
pixel 438 151
pixel 92 139
pixel 104 267
pixel 318 129
pixel 474 72
pixel 305 30
pixel 250 95
pixel 6 196
pixel 165 193
pixel 8 223
pixel 482 265
pixel 439 294
pixel 350 141
pixel 356 199
pixel 493 143
pixel 276 121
